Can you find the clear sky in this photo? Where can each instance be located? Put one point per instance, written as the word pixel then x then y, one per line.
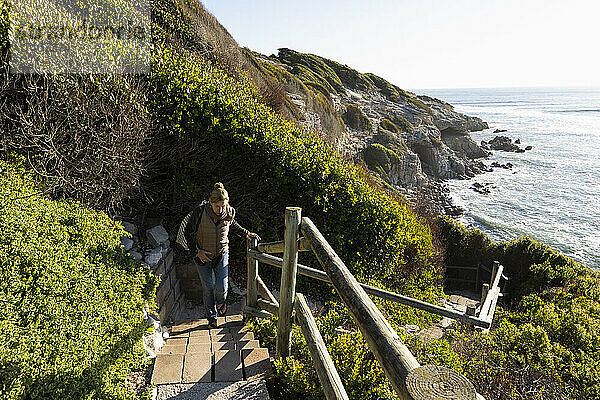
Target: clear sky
pixel 419 44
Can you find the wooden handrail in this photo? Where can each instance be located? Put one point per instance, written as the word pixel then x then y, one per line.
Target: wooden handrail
pixel 328 375
pixel 277 247
pixel 393 356
pixel 374 291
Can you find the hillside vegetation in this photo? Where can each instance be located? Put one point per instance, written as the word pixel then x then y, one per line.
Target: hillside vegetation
pixel 71 298
pixel 165 138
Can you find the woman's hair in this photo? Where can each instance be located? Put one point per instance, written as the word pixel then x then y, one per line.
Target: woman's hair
pixel 218 193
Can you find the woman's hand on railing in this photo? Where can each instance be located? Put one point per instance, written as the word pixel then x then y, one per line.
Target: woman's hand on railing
pixel 253 235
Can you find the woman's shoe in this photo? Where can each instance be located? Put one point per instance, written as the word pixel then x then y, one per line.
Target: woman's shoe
pixel 221 309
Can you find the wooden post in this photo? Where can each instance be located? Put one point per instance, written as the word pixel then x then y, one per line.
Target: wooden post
pixel 484 291
pixel 251 289
pixel 393 356
pixel 287 291
pixel 328 375
pixel 494 272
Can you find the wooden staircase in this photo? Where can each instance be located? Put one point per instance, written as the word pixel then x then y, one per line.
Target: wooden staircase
pixel 196 354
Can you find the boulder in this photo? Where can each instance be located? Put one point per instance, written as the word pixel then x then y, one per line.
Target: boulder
pixel 504 143
pixel 153 257
pixel 157 235
pixel 129 227
pixel 127 243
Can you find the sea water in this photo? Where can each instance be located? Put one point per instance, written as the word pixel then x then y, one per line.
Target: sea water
pixel 552 193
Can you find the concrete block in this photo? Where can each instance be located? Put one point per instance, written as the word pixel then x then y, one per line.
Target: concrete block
pixel 167 369
pixel 228 366
pixel 200 348
pixel 177 341
pixel 200 332
pixel 243 336
pixel 234 320
pixel 199 339
pixel 256 363
pixel 173 349
pixel 239 329
pixel 197 367
pixel 223 346
pixel 219 331
pixel 221 338
pixel 247 344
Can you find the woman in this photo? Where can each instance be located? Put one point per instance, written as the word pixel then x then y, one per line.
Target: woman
pixel 208 231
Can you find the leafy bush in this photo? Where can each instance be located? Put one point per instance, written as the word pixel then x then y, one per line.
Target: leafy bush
pixel 388 125
pixel 355 118
pixel 71 298
pixel 546 342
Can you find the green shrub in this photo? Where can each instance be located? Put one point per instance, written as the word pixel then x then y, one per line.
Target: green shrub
pixel 72 300
pixel 355 118
pixel 389 126
pixel 546 343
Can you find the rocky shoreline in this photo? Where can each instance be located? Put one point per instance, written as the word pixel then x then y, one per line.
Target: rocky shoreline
pixel 414 143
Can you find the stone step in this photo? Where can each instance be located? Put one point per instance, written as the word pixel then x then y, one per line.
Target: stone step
pixel 256 363
pixel 194 353
pixel 167 369
pixel 228 366
pixel 197 367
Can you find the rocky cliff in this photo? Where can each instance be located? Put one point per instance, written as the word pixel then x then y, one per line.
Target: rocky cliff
pixel 406 139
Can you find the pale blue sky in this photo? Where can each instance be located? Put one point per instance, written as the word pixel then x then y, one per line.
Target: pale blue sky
pixel 420 44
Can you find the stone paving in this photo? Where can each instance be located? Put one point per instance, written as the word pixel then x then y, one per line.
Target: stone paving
pixel 196 354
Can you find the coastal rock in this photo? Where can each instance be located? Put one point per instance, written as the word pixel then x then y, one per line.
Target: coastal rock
pixel 500 130
pixel 430 138
pixel 462 144
pixel 398 166
pixel 528 147
pixel 504 143
pixel 496 164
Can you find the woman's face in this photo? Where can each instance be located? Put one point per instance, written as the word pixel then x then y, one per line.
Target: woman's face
pixel 219 206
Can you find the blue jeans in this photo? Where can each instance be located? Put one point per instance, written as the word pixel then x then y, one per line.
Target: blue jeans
pixel 214 284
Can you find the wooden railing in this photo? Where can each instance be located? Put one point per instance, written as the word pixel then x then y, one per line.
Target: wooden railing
pixel 399 365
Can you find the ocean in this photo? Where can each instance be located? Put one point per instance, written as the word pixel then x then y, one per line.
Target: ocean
pixel 552 193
